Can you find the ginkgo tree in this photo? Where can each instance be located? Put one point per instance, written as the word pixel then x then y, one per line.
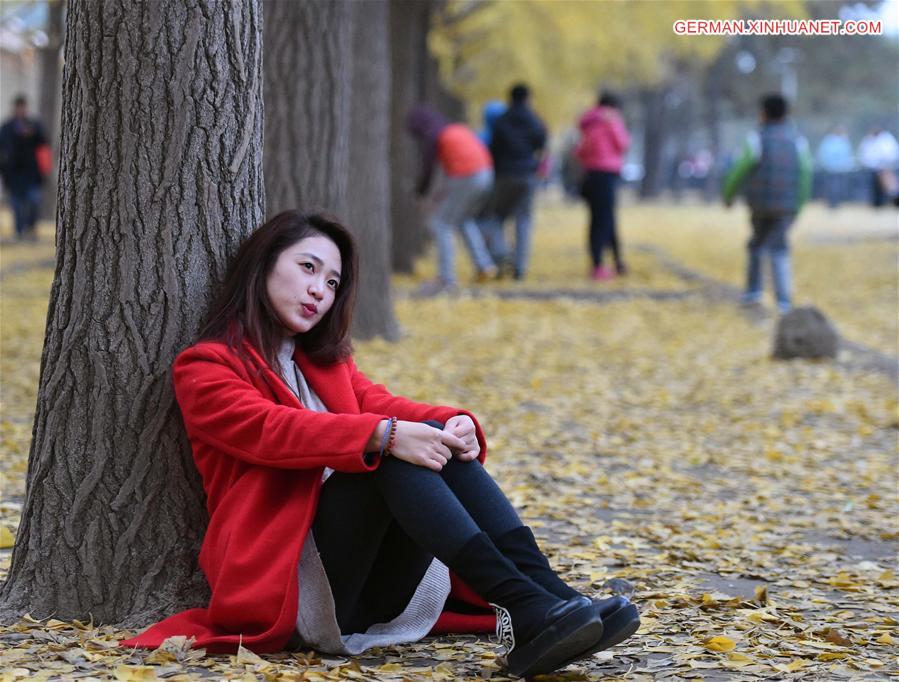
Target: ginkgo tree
pixel 566 48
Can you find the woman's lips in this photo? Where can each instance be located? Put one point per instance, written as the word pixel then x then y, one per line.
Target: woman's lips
pixel 309 310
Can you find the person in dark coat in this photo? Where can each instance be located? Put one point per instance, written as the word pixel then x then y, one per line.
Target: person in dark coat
pixel 342 517
pixel 21 141
pixel 516 143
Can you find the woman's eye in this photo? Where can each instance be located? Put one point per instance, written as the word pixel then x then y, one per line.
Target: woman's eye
pixel 308 266
pixel 333 283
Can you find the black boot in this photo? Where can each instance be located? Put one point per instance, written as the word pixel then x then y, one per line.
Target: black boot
pixel 520 546
pixel 540 631
pixel 620 618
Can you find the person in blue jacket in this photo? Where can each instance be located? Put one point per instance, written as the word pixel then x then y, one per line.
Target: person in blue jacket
pixel 836 160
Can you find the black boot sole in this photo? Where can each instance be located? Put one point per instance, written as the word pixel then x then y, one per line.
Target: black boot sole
pixel 618 627
pixel 578 631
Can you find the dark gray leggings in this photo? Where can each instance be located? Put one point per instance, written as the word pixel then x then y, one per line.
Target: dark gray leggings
pixel 377 532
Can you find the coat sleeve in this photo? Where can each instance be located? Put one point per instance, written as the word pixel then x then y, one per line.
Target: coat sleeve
pixel 620 136
pixel 749 157
pixel 376 398
pixel 222 407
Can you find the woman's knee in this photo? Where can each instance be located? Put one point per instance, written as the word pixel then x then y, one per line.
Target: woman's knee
pixel 460 469
pixel 393 469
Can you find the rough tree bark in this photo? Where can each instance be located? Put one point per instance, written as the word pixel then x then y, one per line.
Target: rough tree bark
pixel 368 202
pixel 308 71
pixel 48 107
pixel 327 103
pixel 409 24
pixel 160 179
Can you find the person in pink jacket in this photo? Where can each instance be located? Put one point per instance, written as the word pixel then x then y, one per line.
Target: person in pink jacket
pixel 604 142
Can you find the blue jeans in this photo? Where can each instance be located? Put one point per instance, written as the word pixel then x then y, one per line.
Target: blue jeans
pixel 513 196
pixel 834 188
pixel 465 197
pixel 769 237
pixel 25 207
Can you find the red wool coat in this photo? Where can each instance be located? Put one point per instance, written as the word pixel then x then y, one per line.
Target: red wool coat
pixel 261 455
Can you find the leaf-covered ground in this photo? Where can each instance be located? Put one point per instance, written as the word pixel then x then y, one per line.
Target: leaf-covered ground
pixel 643 430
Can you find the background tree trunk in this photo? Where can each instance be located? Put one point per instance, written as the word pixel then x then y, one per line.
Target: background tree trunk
pixel 317 134
pixel 308 72
pixel 160 179
pixel 368 202
pixel 409 24
pixel 48 107
pixel 655 133
pixel 712 109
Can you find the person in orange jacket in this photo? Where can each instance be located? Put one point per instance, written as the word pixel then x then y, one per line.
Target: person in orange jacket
pixel 342 517
pixel 463 191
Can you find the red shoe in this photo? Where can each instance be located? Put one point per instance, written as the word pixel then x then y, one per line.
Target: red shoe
pixel 602 274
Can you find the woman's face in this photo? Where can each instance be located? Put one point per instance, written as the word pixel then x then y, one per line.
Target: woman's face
pixel 303 284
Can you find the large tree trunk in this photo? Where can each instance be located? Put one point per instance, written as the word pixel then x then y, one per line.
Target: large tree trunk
pixel 409 24
pixel 369 201
pixel 51 85
pixel 160 179
pixel 308 71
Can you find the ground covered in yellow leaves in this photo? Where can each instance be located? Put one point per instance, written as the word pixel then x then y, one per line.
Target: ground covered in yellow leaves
pixel 644 432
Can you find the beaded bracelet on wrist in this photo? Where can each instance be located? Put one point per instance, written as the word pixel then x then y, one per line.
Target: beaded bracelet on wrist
pixel 391 440
pixel 386 437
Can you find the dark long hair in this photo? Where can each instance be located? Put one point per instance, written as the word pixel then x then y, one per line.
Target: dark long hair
pixel 241 310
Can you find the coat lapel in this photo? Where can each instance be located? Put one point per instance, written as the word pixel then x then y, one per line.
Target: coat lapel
pixel 330 383
pixel 281 391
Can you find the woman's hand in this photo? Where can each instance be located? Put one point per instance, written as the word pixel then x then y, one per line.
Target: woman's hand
pixel 424 445
pixel 463 428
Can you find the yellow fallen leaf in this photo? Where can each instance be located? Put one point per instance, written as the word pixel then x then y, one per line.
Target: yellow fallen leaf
pixel 843 581
pixel 135 673
pixel 7 539
pixel 759 616
pixel 160 656
pixel 737 657
pixel 792 666
pixel 833 656
pixel 247 657
pixel 719 643
pixel 884 639
pixel 761 594
pixel 887 579
pixel 390 668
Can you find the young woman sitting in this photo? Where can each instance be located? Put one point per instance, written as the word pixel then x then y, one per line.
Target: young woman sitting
pixel 342 517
